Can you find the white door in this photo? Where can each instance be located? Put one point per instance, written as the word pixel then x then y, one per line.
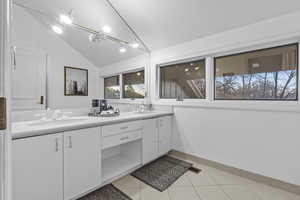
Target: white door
pixel 82 161
pixel 165 134
pixel 150 140
pixel 29 79
pixel 37 168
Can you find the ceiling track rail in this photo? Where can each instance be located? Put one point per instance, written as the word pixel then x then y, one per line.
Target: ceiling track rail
pixel 129 27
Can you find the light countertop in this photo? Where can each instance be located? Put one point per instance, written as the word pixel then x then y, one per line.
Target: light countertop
pixel 36 128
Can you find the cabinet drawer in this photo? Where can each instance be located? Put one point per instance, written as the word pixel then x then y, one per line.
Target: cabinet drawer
pixel 115 140
pixel 121 128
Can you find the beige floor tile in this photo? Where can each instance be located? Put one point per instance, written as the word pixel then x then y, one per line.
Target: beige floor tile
pixel 148 193
pixel 211 193
pixel 238 192
pixel 183 193
pixel 133 193
pixel 127 182
pixel 200 179
pixel 183 181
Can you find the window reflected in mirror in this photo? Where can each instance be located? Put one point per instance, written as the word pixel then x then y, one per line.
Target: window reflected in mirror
pixel 134 85
pixel 112 87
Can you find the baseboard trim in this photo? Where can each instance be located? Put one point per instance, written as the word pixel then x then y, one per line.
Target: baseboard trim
pixel 240 172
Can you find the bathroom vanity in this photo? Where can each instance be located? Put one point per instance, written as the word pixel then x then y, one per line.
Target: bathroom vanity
pixel 66 159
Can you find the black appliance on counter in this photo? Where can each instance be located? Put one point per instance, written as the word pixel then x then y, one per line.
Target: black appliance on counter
pixel 99 105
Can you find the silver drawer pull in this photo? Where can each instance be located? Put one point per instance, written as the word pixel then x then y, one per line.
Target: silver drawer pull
pixel 56 145
pixel 124 138
pixel 124 127
pixel 70 142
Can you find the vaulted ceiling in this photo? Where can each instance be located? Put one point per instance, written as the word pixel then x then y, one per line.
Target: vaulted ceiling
pixel 159 23
pixel 162 23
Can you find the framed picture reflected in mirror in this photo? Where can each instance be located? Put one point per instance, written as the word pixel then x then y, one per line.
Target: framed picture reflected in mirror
pixel 76 81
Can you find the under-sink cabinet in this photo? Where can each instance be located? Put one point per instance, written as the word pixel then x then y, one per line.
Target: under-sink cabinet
pixel 38 168
pixel 67 165
pixel 82 161
pixel 157 136
pixel 57 166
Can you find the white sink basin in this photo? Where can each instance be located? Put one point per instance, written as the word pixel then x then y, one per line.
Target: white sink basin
pixel 58 122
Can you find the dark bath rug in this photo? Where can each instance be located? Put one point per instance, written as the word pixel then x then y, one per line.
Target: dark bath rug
pixel 162 173
pixel 108 192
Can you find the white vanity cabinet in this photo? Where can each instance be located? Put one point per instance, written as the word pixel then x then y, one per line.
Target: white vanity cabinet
pixel 150 140
pixel 164 134
pixel 157 135
pixel 38 168
pixel 82 161
pixel 57 166
pixel 68 165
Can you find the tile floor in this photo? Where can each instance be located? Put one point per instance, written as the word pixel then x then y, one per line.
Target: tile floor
pixel 210 184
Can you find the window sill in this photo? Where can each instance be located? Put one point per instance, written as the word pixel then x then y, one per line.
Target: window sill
pixel 125 101
pixel 270 106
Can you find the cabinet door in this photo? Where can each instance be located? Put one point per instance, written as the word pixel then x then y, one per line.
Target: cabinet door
pixel 165 134
pixel 150 140
pixel 29 80
pixel 37 168
pixel 82 161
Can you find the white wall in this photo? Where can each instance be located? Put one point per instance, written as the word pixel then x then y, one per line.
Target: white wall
pixel 261 137
pixel 28 32
pixel 250 138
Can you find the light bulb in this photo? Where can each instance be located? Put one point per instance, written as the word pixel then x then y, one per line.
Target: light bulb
pixel 106 29
pixel 66 19
pixel 123 50
pixel 57 29
pixel 135 45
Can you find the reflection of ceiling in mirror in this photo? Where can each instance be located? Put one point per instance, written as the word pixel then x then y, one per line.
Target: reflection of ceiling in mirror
pixel 100 14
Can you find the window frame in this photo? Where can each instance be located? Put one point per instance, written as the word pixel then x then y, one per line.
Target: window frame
pixel 121 99
pixel 186 61
pixel 252 51
pixel 181 61
pixel 117 75
pixel 209 55
pixel 123 85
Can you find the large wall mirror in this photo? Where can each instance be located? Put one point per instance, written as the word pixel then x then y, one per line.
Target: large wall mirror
pixel 47 36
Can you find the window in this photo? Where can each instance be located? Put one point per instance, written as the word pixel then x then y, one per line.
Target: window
pixel 112 87
pixel 133 85
pixel 268 74
pixel 183 80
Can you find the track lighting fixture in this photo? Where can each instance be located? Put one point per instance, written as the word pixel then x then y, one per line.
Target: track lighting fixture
pixel 67 19
pixel 57 29
pixel 106 29
pixel 123 49
pixel 64 20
